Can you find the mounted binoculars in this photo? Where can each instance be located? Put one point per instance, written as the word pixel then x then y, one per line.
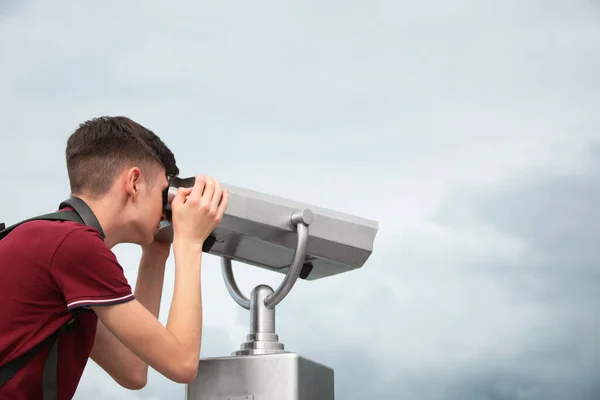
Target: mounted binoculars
pixel 285 236
pixel 261 230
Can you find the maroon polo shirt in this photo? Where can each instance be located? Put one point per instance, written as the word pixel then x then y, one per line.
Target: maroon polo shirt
pixel 49 271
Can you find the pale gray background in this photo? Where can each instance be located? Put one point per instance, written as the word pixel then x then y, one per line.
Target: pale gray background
pixel 469 129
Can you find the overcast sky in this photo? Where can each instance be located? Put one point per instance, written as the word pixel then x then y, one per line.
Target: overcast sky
pixel 468 129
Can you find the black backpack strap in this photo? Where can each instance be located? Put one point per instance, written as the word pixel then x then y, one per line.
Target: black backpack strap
pixel 85 213
pixel 56 216
pixel 50 388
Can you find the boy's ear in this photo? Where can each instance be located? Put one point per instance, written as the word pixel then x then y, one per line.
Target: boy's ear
pixel 133 178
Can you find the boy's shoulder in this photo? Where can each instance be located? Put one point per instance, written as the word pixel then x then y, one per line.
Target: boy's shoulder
pixel 45 236
pixel 52 228
pixel 57 230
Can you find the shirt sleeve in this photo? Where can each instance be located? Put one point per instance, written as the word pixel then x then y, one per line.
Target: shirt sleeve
pixel 87 271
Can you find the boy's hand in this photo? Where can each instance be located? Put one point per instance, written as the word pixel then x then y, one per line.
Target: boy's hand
pixel 197 210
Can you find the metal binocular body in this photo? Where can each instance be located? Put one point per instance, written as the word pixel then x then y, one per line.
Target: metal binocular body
pixel 262 230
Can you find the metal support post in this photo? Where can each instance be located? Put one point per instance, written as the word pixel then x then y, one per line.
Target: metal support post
pixel 262 338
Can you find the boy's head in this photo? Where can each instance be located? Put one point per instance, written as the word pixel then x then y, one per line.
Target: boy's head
pixel 118 158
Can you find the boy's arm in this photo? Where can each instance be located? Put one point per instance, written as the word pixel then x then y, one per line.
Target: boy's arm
pixel 116 359
pixel 173 350
pixel 98 282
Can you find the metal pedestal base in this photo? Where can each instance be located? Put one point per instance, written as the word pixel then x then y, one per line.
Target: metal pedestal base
pixel 282 376
pixel 261 369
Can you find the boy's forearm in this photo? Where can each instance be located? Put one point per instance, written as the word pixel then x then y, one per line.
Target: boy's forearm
pixel 184 321
pixel 150 280
pixel 148 291
pixel 185 315
pixel 109 352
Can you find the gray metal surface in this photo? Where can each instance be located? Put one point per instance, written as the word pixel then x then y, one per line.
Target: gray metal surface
pixel 258 229
pixel 283 376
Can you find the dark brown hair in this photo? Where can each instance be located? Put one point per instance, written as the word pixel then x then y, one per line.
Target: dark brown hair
pixel 98 150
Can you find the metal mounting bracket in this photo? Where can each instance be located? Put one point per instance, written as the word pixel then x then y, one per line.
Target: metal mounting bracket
pixel 262 338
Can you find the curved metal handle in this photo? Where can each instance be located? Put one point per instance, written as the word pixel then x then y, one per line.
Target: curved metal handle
pixel 301 220
pixel 231 285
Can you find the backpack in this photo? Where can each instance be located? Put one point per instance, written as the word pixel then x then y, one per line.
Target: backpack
pixel 84 215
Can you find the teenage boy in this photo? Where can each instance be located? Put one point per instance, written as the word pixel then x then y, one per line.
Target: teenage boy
pixel 54 272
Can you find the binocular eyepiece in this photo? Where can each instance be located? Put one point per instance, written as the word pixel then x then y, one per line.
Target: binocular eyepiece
pixel 170 192
pixel 168 196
